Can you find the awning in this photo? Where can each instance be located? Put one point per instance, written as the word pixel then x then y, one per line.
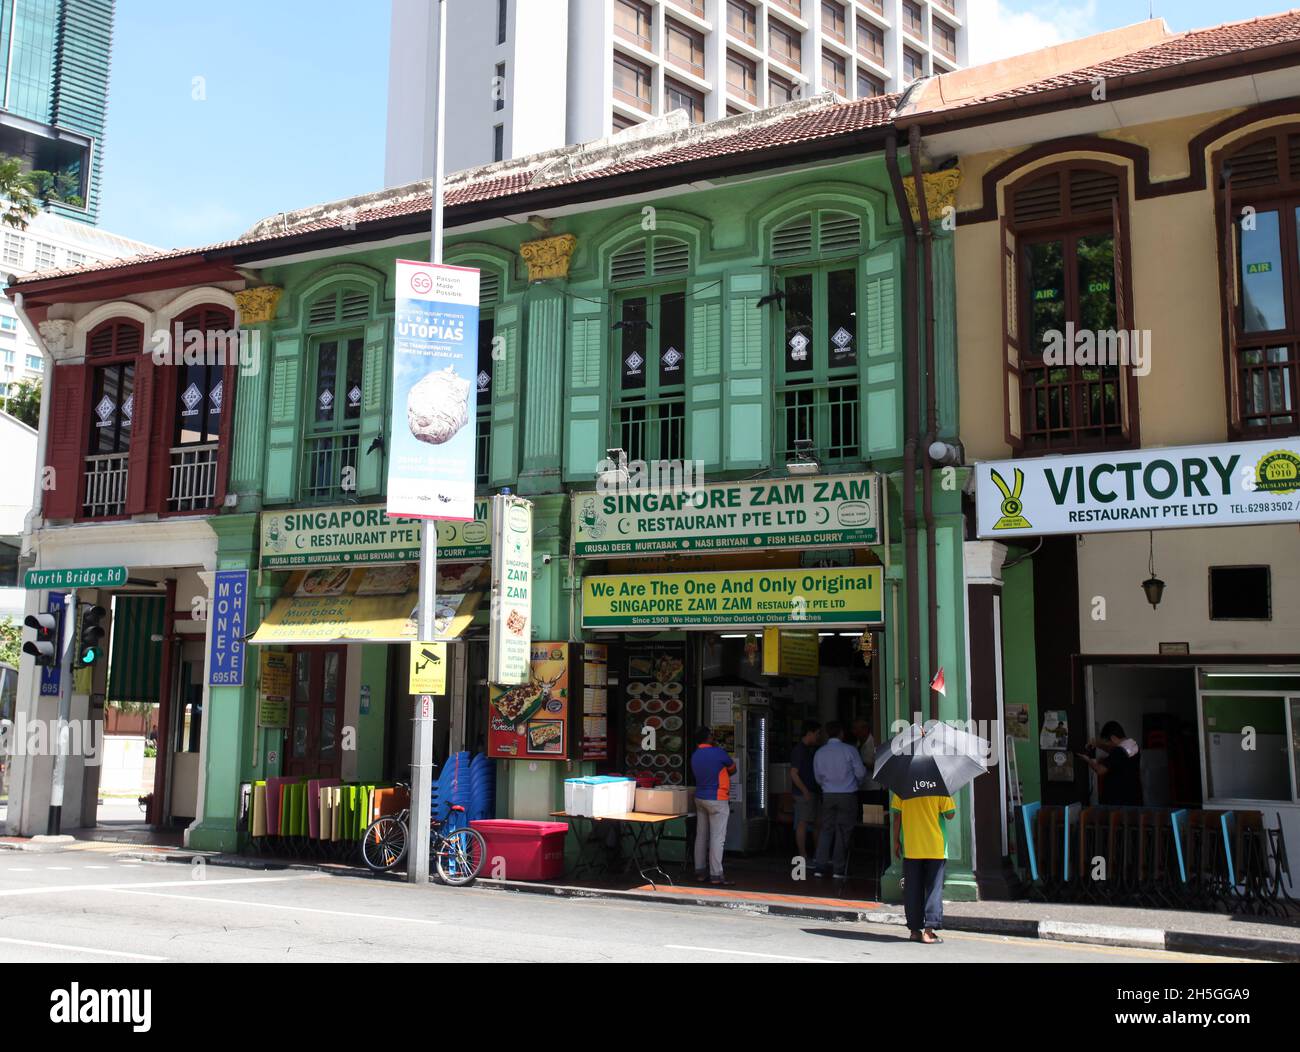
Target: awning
pixel 376 605
pixel 135 660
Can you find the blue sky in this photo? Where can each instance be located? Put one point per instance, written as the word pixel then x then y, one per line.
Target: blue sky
pixel 295 99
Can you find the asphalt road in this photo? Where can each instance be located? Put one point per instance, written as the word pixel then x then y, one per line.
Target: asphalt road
pixel 83 906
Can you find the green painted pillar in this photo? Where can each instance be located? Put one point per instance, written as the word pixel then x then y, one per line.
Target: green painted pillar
pixel 229 711
pixel 543 393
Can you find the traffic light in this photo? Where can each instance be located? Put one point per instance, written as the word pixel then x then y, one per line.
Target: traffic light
pixel 44 647
pixel 89 646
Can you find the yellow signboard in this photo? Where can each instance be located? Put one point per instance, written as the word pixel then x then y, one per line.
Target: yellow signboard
pixel 274 684
pixel 847 595
pixel 428 668
pixel 790 653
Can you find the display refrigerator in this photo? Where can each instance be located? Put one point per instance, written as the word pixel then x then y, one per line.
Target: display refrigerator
pixel 740 719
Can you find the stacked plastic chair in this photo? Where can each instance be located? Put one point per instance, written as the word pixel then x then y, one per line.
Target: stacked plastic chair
pixel 482 788
pixel 453 787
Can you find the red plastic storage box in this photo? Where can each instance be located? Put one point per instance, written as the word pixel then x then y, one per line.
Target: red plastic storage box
pixel 531 850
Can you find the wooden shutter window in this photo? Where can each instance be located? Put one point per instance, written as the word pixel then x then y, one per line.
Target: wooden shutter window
pixel 64 455
pixel 1014 430
pixel 1039 200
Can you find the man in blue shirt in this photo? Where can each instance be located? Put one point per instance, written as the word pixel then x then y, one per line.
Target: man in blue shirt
pixel 807 794
pixel 712 768
pixel 839 771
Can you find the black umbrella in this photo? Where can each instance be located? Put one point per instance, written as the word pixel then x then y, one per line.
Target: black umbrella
pixel 935 760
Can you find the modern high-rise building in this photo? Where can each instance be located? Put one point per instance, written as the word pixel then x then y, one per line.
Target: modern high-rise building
pixel 54 62
pixel 529 75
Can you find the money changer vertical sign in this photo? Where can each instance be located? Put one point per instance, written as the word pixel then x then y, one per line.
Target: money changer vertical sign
pixel 512 590
pixel 435 368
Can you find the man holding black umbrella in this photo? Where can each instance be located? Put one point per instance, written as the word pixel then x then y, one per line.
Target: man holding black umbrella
pixel 922 768
pixel 921 839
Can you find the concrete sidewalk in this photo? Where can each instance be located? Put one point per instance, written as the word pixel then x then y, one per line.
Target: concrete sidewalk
pixel 1180 931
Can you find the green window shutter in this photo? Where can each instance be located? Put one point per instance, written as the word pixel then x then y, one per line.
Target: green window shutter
pixel 881 368
pixel 284 432
pixel 135 665
pixel 746 392
pixel 504 468
pixel 374 417
pixel 704 375
pixel 586 390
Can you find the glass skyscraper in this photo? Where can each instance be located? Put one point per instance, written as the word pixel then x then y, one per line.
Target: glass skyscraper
pixel 54 62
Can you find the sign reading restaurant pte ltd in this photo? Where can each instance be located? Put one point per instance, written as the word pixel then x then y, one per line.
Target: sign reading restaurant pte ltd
pixel 364 535
pixel 1235 484
pixel 735 598
pixel 432 438
pixel 835 511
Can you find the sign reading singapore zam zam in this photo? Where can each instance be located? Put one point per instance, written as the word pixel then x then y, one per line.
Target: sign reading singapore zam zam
pixel 833 512
pixel 1235 484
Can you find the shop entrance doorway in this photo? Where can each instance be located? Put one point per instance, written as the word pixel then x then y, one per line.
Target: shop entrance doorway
pixel 319 675
pixel 1156 706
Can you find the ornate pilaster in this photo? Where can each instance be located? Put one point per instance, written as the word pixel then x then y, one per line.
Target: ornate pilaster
pixel 940 193
pixel 549 257
pixel 257 309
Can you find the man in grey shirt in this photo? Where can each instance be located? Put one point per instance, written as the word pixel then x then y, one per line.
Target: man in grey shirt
pixel 839 771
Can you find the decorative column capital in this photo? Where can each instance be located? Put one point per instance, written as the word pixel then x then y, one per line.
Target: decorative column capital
pixel 983 561
pixel 258 305
pixel 549 257
pixel 940 193
pixel 57 334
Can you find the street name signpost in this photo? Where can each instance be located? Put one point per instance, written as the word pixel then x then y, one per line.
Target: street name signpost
pixel 82 577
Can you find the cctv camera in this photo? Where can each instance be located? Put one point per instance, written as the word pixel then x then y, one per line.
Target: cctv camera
pixel 546 560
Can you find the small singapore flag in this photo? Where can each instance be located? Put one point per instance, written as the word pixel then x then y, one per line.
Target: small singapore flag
pixel 938 684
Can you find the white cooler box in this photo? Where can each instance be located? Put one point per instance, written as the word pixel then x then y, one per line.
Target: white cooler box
pixel 598 795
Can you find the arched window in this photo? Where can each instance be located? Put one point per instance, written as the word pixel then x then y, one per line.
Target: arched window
pixel 112 351
pixel 650 340
pixel 205 353
pixel 1069 387
pixel 336 325
pixel 1259 183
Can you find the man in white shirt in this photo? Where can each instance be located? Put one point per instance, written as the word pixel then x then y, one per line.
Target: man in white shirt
pixel 840 772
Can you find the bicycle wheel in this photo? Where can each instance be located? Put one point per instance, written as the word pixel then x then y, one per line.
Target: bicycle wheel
pixel 383 845
pixel 460 856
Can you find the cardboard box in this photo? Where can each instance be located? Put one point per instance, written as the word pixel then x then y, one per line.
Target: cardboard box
pixel 674 800
pixel 873 814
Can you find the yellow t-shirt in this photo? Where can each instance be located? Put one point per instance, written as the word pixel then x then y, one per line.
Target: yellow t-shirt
pixel 925 833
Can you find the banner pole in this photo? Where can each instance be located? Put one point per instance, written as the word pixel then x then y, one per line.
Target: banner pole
pixel 417 859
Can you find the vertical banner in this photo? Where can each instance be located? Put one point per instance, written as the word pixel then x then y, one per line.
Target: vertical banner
pixel 54 604
pixel 595 701
pixel 433 437
pixel 227 612
pixel 512 590
pixel 531 722
pixel 275 682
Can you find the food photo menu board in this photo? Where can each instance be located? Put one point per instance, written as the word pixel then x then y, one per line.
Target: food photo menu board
pixel 654 699
pixel 531 722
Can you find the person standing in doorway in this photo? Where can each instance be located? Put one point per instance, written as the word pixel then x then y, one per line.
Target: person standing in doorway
pixel 866 746
pixel 807 793
pixel 839 772
pixel 1118 768
pixel 712 768
pixel 921 840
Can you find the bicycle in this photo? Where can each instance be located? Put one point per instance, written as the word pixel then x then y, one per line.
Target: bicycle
pixel 459 855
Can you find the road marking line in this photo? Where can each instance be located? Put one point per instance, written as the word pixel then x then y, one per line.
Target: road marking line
pixel 55 889
pixel 96 867
pixel 82 949
pixel 20 869
pixel 276 906
pixel 751 953
pixel 58 869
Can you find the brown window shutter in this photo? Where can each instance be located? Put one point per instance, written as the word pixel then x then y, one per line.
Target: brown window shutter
pixel 142 437
pixel 1127 382
pixel 67 441
pixel 1014 430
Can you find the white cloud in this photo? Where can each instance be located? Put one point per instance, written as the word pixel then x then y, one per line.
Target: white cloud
pixel 998 31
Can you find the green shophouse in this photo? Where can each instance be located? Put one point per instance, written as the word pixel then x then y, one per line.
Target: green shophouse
pixel 723 243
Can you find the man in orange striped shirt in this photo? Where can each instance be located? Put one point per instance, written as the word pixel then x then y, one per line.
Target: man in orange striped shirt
pixel 712 768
